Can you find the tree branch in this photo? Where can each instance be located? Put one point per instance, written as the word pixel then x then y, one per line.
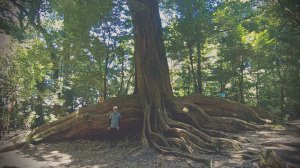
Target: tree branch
pixel 285 8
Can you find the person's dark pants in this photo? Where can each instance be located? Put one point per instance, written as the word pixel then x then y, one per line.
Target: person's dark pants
pixel 113 137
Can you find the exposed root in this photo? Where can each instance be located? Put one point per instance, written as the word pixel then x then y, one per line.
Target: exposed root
pixel 186 137
pixel 188 128
pixel 203 120
pixel 215 106
pixel 138 149
pixel 14 147
pixel 270 158
pixel 91 121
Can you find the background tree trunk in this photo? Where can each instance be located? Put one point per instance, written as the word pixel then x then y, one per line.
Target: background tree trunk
pixel 122 74
pixel 241 81
pixel 192 69
pixel 257 89
pixel 199 74
pixel 105 76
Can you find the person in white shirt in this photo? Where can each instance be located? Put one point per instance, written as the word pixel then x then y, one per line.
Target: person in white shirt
pixel 114 126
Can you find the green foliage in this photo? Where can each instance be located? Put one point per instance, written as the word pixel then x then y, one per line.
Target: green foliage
pixel 251 52
pixel 79 16
pixel 248 50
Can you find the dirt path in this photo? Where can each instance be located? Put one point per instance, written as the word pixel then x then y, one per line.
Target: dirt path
pixel 285 141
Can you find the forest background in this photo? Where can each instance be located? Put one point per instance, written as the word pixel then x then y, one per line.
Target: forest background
pixel 66 54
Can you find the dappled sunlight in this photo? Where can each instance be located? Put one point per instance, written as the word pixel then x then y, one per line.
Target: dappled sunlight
pixel 57 156
pixel 185 109
pixel 20 159
pixel 98 166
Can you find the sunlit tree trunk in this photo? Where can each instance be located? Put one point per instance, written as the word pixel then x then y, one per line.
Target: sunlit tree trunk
pixel 192 68
pixel 241 80
pixel 122 74
pixel 257 82
pixel 199 73
pixel 105 75
pixel 153 77
pixel 189 76
pixel 257 89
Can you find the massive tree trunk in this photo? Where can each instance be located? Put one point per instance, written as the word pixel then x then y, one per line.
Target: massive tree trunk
pixel 153 80
pixel 180 126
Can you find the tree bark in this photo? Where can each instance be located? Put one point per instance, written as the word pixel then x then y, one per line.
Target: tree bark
pixel 91 121
pixel 189 80
pixel 257 89
pixel 106 61
pixel 128 84
pixel 199 74
pixel 241 81
pixel 151 62
pixel 153 77
pixel 122 74
pixel 105 75
pixel 135 92
pixel 192 69
pixel 164 123
pixel 287 10
pixel 101 89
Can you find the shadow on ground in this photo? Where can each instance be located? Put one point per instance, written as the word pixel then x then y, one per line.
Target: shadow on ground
pixel 285 141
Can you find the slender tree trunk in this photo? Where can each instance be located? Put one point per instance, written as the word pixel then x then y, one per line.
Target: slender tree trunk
pixel 1 127
pixel 135 72
pixel 257 89
pixel 15 119
pixel 192 69
pixel 101 89
pixel 281 97
pixel 128 84
pixel 221 80
pixel 106 61
pixel 281 87
pixel 101 82
pixel 2 103
pixel 122 74
pixel 222 87
pixel 9 112
pixel 189 80
pixel 241 81
pixel 199 74
pixel 289 11
pixel 105 75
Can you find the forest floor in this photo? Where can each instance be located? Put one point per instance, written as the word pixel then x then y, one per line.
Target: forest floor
pixel 284 140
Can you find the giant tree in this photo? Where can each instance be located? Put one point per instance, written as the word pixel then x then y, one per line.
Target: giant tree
pixel 184 126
